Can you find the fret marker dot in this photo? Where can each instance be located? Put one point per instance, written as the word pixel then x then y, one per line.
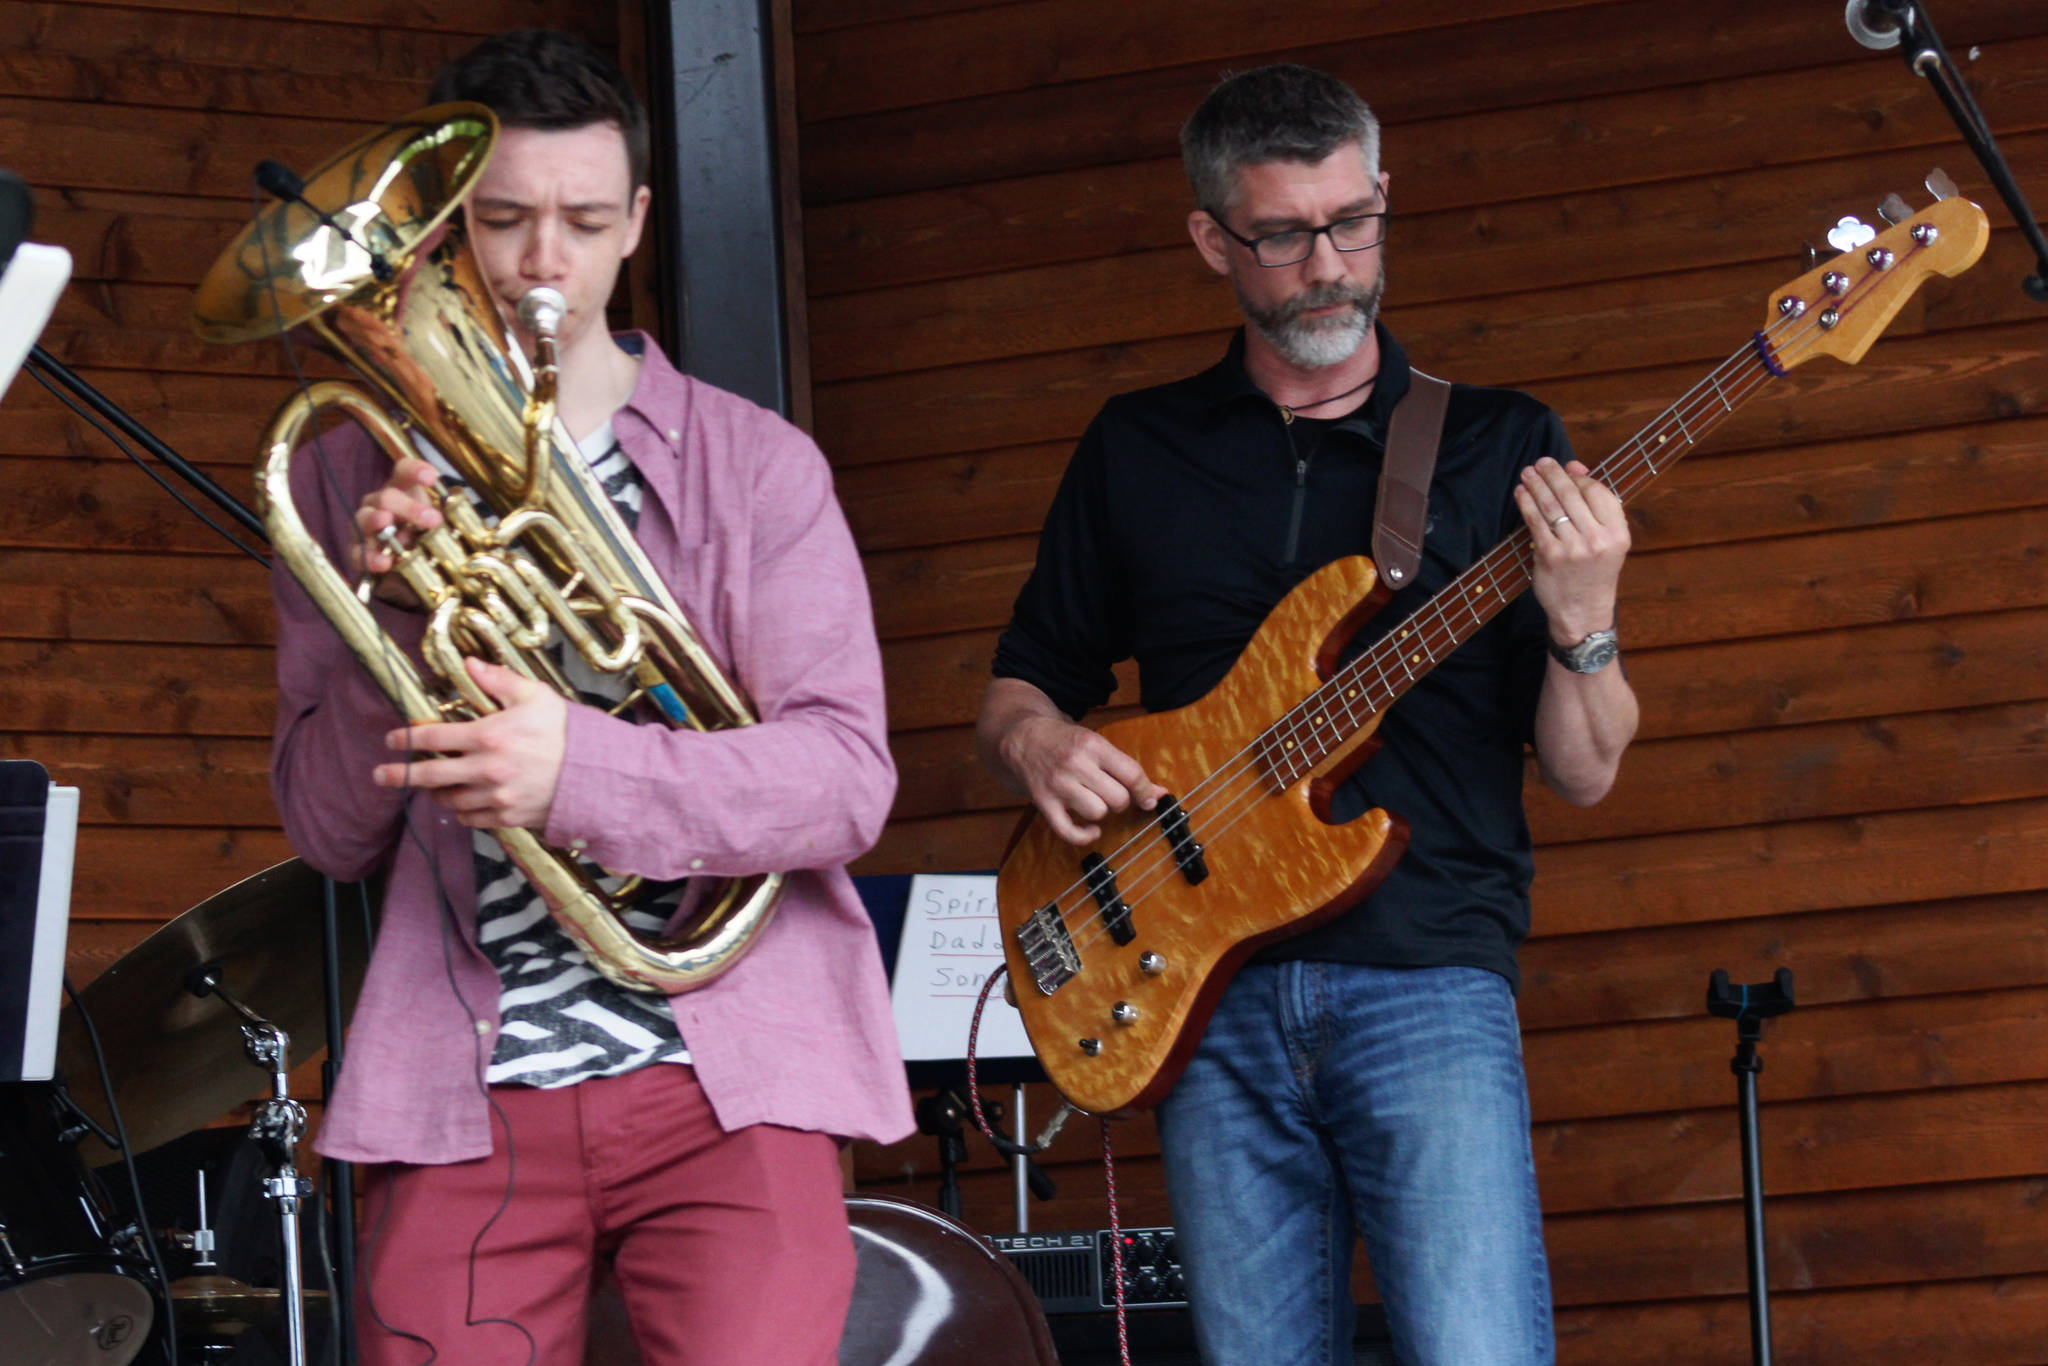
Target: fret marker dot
pixel 1288 745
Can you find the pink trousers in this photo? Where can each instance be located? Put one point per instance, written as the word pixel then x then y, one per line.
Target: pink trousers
pixel 727 1248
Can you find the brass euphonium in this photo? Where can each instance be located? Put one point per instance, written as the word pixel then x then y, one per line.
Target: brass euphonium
pixel 383 275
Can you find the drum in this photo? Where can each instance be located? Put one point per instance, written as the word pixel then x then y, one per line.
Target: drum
pixel 66 1298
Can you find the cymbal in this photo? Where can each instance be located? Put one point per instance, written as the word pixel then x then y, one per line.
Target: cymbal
pixel 222 1303
pixel 176 1059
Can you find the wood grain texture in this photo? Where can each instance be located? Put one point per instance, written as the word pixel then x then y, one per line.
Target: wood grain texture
pixel 1596 139
pixel 1831 613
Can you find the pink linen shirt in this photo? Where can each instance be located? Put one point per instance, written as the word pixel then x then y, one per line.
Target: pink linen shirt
pixel 742 524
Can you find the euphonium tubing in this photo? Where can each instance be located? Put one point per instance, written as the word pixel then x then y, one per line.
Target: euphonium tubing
pixel 428 337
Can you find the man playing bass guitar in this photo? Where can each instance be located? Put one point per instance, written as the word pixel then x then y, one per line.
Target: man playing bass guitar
pixel 1365 1077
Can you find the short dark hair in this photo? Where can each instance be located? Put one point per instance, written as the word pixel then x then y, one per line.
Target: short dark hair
pixel 1271 113
pixel 544 78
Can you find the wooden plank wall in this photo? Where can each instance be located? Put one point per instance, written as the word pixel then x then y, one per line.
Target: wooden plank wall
pixel 1837 615
pixel 135 645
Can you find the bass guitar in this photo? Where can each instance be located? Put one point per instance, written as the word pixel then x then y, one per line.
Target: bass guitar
pixel 1118 951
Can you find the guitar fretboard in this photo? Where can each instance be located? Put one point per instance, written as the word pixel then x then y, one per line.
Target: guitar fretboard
pixel 1296 744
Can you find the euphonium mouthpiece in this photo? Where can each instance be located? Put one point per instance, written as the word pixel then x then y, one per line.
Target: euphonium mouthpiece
pixel 541 311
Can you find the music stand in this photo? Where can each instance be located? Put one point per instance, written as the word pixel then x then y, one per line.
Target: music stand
pixel 38 833
pixel 940 939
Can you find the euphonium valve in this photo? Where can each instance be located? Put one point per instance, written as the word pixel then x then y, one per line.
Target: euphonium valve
pixel 373 260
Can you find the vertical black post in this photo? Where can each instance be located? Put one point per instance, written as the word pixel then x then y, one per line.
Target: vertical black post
pixel 1746 1065
pixel 712 99
pixel 1749 1006
pixel 341 1176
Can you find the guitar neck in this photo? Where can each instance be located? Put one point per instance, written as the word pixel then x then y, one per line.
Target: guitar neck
pixel 1296 744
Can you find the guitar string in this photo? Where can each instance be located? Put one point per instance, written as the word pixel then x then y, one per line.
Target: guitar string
pixel 1261 760
pixel 1484 574
pixel 1517 545
pixel 1633 464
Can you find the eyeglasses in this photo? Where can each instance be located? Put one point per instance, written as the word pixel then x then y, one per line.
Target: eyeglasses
pixel 1357 233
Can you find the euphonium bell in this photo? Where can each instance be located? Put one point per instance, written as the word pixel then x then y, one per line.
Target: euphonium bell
pixel 373 260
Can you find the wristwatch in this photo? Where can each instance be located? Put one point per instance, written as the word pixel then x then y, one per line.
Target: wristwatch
pixel 1590 655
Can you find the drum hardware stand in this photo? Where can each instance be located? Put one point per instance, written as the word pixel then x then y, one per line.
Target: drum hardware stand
pixel 80 1123
pixel 1749 1007
pixel 202 1239
pixel 943 1115
pixel 279 1124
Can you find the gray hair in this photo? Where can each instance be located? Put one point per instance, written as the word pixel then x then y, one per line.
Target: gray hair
pixel 1272 113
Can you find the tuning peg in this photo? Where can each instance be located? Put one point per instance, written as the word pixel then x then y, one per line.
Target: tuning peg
pixel 1894 210
pixel 1809 256
pixel 1939 185
pixel 1850 233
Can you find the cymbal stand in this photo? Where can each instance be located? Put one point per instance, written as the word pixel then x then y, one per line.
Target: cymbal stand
pixel 279 1125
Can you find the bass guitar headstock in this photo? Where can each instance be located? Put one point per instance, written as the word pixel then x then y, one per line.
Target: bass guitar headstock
pixel 1841 306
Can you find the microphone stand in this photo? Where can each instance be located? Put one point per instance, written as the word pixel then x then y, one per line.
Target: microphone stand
pixel 1749 1007
pixel 1927 57
pixel 92 398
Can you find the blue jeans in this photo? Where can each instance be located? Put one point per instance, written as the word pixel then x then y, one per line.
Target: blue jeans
pixel 1329 1101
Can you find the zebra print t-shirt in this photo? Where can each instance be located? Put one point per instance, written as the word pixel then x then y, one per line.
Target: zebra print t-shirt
pixel 560 1020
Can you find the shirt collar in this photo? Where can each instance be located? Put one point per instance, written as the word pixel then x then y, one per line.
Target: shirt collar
pixel 654 416
pixel 1227 382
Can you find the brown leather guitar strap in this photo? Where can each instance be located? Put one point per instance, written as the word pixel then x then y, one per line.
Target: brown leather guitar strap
pixel 1403 511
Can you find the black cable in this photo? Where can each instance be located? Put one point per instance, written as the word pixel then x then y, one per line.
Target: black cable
pixel 110 434
pixel 322 1231
pixel 156 1258
pixel 369 1291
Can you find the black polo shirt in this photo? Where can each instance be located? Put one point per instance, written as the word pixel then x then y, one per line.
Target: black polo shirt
pixel 1190 509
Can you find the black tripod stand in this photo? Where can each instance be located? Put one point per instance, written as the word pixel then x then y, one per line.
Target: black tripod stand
pixel 1749 1007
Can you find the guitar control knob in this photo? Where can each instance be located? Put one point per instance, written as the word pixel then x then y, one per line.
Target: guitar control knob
pixel 1151 964
pixel 1091 1046
pixel 1123 1012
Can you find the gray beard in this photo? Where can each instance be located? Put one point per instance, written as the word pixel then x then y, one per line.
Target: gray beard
pixel 1318 343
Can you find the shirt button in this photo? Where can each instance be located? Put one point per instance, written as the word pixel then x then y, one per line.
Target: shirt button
pixel 674 435
pixel 483 1027
pixel 579 845
pixel 696 863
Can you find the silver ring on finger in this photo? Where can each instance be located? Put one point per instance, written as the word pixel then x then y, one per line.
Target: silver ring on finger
pixel 1560 520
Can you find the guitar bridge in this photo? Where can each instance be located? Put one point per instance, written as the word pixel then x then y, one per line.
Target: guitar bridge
pixel 1048 948
pixel 1187 850
pixel 1100 875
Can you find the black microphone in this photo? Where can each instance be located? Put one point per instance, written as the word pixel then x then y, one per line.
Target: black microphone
pixel 1877 24
pixel 279 181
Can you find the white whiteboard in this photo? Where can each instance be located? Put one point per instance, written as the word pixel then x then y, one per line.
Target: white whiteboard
pixel 951 943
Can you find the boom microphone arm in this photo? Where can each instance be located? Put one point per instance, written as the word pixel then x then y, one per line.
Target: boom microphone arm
pixel 1905 24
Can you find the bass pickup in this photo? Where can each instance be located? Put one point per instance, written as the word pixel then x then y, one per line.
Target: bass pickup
pixel 1187 850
